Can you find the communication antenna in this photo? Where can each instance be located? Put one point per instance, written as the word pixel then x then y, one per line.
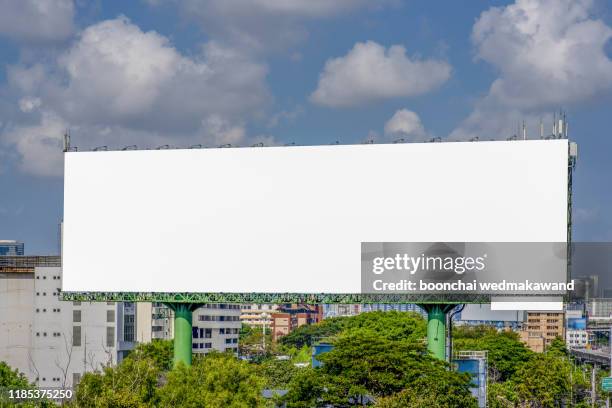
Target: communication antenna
pixel 524 131
pixel 66 140
pixel 554 130
pixel 541 129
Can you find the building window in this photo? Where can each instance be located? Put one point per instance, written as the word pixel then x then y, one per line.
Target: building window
pixel 76 378
pixel 110 316
pixel 76 316
pixel 128 328
pixel 207 333
pixel 76 303
pixel 110 303
pixel 76 336
pixel 110 336
pixel 207 345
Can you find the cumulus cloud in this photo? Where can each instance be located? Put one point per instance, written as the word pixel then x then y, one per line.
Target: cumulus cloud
pixel 117 85
pixel 263 25
pixel 39 145
pixel 369 72
pixel 548 53
pixel 405 124
pixel 117 73
pixel 35 21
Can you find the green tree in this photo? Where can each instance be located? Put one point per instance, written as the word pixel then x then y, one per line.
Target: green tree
pixel 161 352
pixel 214 381
pixel 364 364
pixel 132 383
pixel 543 381
pixel 11 379
pixel 277 373
pixel 393 325
pixel 506 353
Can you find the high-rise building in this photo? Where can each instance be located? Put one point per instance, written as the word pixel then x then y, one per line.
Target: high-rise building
pixel 11 248
pixel 52 342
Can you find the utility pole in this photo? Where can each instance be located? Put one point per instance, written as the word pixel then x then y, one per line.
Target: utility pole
pixel 593 389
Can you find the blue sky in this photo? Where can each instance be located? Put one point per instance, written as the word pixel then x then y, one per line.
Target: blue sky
pixel 306 71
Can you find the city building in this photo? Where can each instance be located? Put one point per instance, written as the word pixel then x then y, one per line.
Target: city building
pixel 11 248
pixel 50 341
pixel 481 314
pixel 257 314
pixel 541 328
pixel 577 338
pixel 599 313
pixel 398 307
pixel 340 310
pixel 216 327
pixel 289 317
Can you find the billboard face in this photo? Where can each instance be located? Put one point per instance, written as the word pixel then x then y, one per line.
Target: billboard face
pixel 293 219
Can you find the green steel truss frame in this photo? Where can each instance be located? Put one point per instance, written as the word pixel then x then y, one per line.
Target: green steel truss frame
pixel 278 298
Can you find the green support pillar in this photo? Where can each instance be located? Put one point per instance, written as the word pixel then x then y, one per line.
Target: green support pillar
pixel 436 328
pixel 182 331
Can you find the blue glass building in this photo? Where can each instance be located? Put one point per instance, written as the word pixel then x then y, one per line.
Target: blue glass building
pixel 11 248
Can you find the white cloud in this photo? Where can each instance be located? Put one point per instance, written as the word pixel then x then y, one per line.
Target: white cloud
pixel 549 53
pixel 37 21
pixel 405 124
pixel 117 86
pixel 370 72
pixel 39 145
pixel 119 74
pixel 29 104
pixel 263 25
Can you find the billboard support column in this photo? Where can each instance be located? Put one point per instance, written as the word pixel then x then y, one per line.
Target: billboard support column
pixel 183 313
pixel 436 328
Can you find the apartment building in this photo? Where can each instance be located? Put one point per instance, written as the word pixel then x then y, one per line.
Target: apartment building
pixel 216 327
pixel 541 328
pixel 289 317
pixel 256 314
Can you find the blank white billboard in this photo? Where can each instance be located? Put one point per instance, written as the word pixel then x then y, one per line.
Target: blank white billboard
pixel 292 219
